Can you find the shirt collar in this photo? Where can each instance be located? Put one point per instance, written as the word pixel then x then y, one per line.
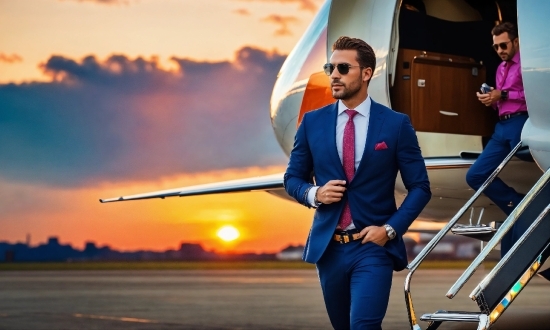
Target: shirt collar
pixel 515 59
pixel 363 108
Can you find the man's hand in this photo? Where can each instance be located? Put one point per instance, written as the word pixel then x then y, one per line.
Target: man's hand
pixel 331 192
pixel 374 234
pixel 489 98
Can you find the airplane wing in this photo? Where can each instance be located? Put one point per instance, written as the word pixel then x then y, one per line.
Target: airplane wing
pixel 271 183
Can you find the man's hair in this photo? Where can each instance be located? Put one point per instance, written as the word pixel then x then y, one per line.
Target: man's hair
pixel 365 54
pixel 505 27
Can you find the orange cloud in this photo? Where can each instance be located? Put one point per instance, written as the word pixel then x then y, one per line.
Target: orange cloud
pixel 106 2
pixel 304 4
pixel 13 58
pixel 242 11
pixel 283 22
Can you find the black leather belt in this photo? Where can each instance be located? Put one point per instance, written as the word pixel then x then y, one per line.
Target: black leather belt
pixel 520 113
pixel 346 236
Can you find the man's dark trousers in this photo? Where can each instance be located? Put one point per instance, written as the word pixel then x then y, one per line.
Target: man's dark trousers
pixel 507 135
pixel 363 271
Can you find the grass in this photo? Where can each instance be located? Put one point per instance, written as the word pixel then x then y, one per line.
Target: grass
pixel 200 265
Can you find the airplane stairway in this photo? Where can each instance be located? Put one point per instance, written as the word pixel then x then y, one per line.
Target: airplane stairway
pixel 495 293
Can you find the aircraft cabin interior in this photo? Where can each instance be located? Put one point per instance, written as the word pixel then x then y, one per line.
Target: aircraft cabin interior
pixel 445 54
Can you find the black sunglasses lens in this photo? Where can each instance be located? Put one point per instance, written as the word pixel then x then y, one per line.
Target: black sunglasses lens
pixel 328 69
pixel 502 45
pixel 343 68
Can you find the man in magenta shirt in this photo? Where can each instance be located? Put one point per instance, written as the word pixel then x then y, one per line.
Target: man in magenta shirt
pixel 508 99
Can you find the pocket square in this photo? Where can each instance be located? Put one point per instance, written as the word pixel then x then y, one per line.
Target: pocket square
pixel 381 146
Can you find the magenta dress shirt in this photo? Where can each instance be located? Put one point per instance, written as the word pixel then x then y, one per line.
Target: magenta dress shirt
pixel 509 78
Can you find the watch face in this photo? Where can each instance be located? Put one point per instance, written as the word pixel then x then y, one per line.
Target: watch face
pixel 504 95
pixel 390 231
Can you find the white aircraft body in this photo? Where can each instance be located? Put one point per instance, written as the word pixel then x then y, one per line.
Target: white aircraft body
pixel 417 85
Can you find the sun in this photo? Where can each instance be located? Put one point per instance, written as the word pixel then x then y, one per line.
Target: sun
pixel 228 233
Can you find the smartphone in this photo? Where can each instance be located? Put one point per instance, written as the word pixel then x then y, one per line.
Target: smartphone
pixel 485 88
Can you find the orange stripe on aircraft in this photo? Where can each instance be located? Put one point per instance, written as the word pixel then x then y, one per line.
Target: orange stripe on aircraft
pixel 317 94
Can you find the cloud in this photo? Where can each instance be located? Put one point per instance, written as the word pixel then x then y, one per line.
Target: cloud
pixel 106 2
pixel 13 58
pixel 304 4
pixel 283 22
pixel 129 119
pixel 242 11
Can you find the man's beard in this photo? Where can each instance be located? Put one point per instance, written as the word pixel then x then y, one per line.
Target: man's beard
pixel 509 54
pixel 347 92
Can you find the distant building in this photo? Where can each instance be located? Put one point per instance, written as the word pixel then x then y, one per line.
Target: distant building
pixel 451 247
pixel 291 253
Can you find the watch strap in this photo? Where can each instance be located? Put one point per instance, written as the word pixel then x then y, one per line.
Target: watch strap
pixel 315 200
pixel 504 95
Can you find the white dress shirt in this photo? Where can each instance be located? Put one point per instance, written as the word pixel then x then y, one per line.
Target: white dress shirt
pixel 361 122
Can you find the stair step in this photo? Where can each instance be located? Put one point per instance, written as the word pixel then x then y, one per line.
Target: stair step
pixel 457 316
pixel 481 232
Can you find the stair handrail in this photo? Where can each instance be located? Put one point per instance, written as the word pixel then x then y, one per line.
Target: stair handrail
pixel 412 266
pixel 503 229
pixel 483 284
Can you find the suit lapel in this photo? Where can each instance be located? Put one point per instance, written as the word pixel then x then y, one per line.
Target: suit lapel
pixel 376 120
pixel 330 128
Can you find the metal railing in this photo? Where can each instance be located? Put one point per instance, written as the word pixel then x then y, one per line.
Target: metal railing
pixel 439 236
pixel 504 228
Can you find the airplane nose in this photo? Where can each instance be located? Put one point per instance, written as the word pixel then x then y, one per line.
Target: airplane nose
pixel 301 75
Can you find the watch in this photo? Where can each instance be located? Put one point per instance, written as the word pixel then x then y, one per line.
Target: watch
pixel 390 231
pixel 504 95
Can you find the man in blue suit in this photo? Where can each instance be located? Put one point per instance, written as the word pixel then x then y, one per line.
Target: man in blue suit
pixel 354 149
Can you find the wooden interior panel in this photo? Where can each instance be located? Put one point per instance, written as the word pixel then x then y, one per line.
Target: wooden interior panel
pixel 400 93
pixel 446 102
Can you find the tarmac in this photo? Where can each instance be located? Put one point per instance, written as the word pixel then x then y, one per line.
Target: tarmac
pixel 222 299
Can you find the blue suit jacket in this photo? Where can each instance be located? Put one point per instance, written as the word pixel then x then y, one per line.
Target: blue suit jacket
pixel 371 192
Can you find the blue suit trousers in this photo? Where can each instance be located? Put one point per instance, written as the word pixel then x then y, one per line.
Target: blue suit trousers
pixel 356 281
pixel 506 136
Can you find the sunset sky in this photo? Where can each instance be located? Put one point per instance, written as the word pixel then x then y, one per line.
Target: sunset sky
pixel 102 98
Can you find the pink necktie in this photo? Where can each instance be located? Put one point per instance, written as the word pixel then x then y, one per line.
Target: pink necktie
pixel 348 160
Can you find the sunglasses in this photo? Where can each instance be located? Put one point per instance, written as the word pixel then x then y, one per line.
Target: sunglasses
pixel 343 68
pixel 502 45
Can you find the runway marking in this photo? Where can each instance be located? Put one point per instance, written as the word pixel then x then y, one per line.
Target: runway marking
pixel 114 318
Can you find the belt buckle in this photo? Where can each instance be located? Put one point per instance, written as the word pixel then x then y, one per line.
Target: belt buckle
pixel 344 238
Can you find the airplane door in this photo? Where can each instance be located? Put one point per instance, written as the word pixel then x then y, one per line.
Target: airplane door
pixel 372 21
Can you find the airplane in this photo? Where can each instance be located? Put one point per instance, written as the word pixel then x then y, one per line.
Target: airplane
pixel 432 57
pixel 452 126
